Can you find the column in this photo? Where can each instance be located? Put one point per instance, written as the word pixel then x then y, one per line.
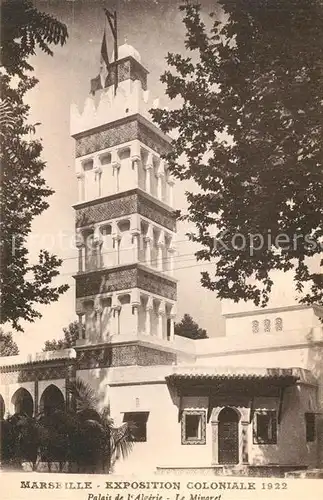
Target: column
pixel 80 186
pixel 244 442
pixel 81 331
pixel 215 442
pixel 116 240
pixel 98 317
pixel 149 308
pixel 161 315
pixel 149 169
pixel 36 391
pixel 135 236
pixel 98 174
pixel 115 163
pixel 97 243
pixel 135 160
pixel 160 179
pixel 116 315
pixel 170 183
pixel 148 239
pixel 160 247
pixel 79 243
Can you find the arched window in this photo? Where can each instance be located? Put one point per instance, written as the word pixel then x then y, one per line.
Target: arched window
pixel 255 326
pixel 23 402
pixel 278 324
pixel 52 399
pixel 267 325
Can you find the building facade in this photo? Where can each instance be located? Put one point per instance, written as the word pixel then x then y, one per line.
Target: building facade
pixel 249 402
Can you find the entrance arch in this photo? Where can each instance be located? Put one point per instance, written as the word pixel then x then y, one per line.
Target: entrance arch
pixel 52 399
pixel 23 402
pixel 228 436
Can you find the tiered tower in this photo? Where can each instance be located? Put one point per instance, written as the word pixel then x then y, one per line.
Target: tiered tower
pixel 125 223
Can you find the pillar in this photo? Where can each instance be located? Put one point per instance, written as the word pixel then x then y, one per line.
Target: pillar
pixel 149 169
pixel 215 442
pixel 80 327
pixel 160 324
pixel 98 318
pixel 79 243
pixel 149 308
pixel 160 247
pixel 97 242
pixel 160 180
pixel 170 183
pixel 115 163
pixel 148 239
pixel 98 175
pixel 116 237
pixel 244 442
pixel 135 160
pixel 80 186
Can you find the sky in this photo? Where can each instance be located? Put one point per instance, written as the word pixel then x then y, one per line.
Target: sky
pixel 153 27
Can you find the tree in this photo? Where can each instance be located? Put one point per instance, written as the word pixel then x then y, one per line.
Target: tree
pixel 8 346
pixel 71 334
pixel 249 133
pixel 188 328
pixel 23 190
pixel 97 443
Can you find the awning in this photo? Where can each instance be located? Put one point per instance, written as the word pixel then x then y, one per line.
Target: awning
pixel 252 381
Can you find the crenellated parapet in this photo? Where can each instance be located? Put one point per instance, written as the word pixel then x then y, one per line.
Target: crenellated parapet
pixel 106 106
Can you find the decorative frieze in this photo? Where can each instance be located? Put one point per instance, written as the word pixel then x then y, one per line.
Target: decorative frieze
pixel 18 374
pixel 156 284
pixel 123 204
pixel 122 355
pixel 123 278
pixel 132 128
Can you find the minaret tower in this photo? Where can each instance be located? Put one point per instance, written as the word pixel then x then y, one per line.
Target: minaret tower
pixel 125 223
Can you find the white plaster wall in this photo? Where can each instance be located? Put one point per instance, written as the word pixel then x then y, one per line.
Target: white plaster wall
pixel 292 320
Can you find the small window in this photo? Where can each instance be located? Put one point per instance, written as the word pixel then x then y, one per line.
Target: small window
pixel 105 159
pixel 310 427
pixel 193 427
pixel 87 165
pixel 265 427
pixel 138 425
pixel 278 324
pixel 255 326
pixel 267 325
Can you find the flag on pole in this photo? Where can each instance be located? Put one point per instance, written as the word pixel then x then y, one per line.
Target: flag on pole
pixel 104 62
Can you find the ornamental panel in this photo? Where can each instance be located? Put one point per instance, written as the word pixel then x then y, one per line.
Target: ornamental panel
pixel 106 210
pixel 119 133
pixel 106 281
pixel 157 284
pixel 156 214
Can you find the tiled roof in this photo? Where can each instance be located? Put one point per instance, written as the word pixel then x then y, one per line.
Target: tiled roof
pixel 39 357
pixel 224 373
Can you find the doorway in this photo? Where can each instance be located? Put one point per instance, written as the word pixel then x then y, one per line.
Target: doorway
pixel 228 436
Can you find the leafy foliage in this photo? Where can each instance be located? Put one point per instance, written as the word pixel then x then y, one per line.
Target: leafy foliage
pixel 23 190
pixel 71 334
pixel 84 438
pixel 189 328
pixel 8 346
pixel 249 133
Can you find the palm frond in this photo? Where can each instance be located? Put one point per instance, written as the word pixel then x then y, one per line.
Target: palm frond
pixel 83 394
